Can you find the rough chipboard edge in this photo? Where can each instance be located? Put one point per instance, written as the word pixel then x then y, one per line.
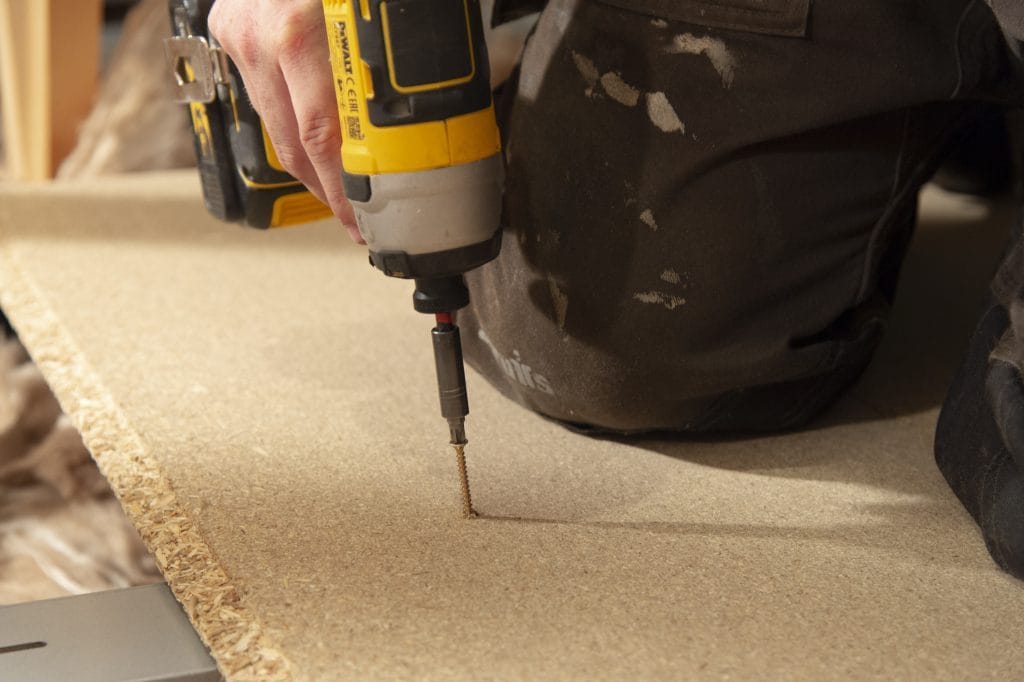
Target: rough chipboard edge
pixel 235 637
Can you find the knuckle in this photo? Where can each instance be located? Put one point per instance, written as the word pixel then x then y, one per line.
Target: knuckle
pixel 319 135
pixel 290 155
pixel 297 29
pixel 241 45
pixel 234 36
pixel 343 209
pixel 245 49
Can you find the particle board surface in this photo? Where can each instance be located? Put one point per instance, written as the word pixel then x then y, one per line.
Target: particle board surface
pixel 263 403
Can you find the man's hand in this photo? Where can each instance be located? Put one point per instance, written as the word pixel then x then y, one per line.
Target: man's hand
pixel 280 48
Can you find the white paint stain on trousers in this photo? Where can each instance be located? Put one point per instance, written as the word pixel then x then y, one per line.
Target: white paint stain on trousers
pixel 647 218
pixel 659 298
pixel 560 301
pixel 619 90
pixel 712 48
pixel 585 65
pixel 662 114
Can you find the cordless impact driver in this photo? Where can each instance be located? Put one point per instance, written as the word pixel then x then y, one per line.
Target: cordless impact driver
pixel 420 150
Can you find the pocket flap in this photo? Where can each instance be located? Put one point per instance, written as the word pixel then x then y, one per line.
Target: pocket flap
pixel 773 17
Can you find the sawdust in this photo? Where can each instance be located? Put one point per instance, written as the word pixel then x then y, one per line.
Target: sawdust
pixel 207 594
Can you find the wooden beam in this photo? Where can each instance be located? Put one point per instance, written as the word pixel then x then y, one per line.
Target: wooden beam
pixel 49 68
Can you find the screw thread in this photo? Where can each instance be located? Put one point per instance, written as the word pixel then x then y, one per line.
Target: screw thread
pixel 467 500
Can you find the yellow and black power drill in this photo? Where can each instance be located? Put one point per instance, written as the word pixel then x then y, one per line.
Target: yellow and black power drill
pixel 420 149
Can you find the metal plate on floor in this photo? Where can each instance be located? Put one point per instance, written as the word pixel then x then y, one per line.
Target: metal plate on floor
pixel 129 635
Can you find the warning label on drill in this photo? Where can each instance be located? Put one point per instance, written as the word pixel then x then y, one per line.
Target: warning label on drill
pixel 355 131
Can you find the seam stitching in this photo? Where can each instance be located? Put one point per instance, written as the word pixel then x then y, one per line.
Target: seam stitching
pixel 957 42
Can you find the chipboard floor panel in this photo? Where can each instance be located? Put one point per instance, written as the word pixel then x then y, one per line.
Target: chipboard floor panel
pixel 263 404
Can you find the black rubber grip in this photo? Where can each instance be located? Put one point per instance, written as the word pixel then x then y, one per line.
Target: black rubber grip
pixel 357 187
pixel 437 264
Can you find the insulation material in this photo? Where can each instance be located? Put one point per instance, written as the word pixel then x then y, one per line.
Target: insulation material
pixel 135 99
pixel 263 405
pixel 61 530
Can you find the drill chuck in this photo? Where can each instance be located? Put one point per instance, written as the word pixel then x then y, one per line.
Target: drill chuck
pixel 451 379
pixel 440 295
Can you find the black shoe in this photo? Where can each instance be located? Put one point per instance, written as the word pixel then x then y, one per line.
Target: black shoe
pixel 979 443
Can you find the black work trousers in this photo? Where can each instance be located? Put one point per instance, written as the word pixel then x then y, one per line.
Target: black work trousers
pixel 708 202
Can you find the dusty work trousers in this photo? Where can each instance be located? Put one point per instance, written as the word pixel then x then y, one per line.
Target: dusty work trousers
pixel 708 202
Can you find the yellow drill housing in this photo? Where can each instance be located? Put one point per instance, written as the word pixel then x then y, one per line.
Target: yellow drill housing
pixel 420 147
pixel 399 141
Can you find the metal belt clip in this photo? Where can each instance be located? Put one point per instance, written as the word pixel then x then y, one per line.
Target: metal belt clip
pixel 197 66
